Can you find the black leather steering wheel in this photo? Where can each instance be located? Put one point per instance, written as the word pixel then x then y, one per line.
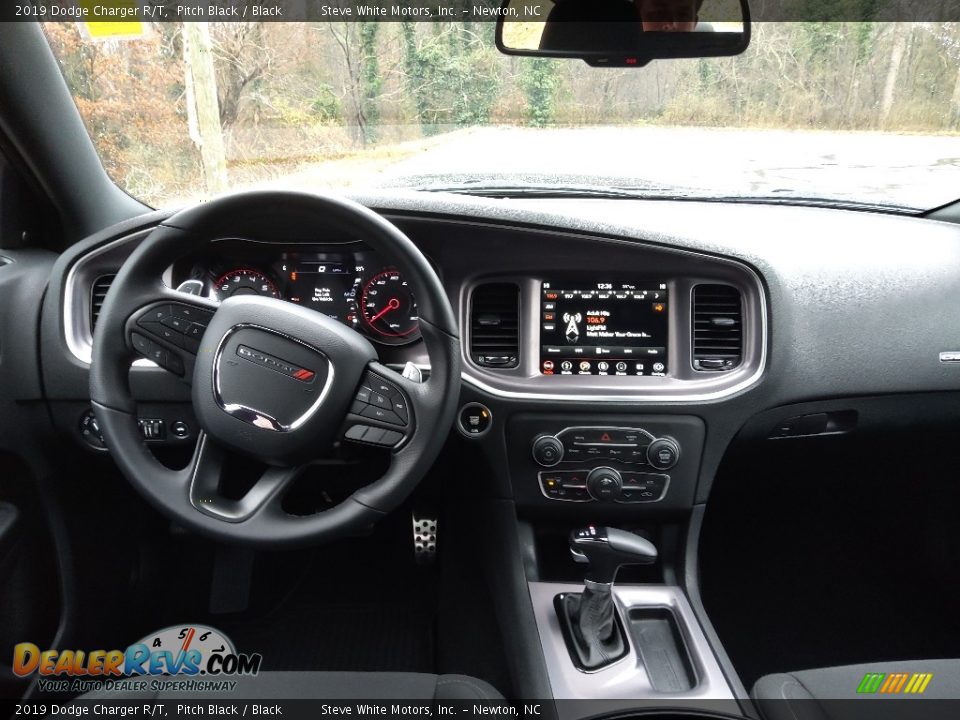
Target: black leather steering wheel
pixel 270 379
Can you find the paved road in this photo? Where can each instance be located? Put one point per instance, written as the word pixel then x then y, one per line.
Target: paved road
pixel 912 170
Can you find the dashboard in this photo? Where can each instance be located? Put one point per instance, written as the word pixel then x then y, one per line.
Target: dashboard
pixel 348 282
pixel 789 312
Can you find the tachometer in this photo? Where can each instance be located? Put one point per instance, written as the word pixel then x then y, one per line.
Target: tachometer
pixel 388 308
pixel 244 281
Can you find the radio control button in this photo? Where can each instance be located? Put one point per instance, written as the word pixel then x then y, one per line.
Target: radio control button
pixel 547 450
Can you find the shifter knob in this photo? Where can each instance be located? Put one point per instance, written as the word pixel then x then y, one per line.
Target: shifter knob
pixel 606 549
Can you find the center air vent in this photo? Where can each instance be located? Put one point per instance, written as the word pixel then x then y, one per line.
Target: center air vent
pixel 717 328
pixel 495 325
pixel 97 294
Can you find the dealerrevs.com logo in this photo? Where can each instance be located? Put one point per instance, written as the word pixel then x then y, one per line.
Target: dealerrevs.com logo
pixel 186 658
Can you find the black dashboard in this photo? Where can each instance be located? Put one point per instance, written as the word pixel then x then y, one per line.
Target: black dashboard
pixel 812 292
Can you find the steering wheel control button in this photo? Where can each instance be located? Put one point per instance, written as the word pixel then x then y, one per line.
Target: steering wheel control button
pixel 474 420
pixel 373 435
pixel 375 413
pixel 141 344
pixel 547 450
pixel 176 323
pixel 663 453
pixel 604 484
pixel 152 351
pixel 378 399
pixel 181 326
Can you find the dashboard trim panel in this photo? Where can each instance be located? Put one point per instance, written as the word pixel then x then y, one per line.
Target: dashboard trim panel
pixel 77 332
pixel 662 390
pixel 696 387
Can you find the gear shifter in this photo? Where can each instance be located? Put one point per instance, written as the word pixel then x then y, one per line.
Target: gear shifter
pixel 589 619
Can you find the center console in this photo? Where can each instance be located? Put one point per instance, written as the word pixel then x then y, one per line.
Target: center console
pixel 619 646
pixel 590 370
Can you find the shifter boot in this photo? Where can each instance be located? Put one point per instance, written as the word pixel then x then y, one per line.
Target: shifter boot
pixel 590 626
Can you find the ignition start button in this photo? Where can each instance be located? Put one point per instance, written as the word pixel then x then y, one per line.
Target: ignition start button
pixel 474 420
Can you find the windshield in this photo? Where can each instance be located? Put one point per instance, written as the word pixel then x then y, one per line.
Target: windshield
pixel 853 112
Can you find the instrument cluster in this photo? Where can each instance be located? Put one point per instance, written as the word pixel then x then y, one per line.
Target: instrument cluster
pixel 348 283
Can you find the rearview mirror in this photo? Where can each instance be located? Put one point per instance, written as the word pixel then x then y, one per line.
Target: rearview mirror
pixel 623 33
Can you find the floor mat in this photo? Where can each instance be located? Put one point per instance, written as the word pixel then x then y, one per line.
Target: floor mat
pixel 373 637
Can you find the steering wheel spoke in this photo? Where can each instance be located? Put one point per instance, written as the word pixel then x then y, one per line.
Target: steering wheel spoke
pixel 382 411
pixel 169 332
pixel 205 473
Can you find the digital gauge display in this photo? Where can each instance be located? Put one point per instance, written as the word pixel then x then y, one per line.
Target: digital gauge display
pixel 329 287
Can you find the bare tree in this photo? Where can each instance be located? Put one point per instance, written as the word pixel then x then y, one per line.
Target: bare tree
pixel 242 58
pixel 901 32
pixel 201 83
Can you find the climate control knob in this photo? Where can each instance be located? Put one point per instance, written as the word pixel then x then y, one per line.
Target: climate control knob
pixel 604 483
pixel 663 453
pixel 547 450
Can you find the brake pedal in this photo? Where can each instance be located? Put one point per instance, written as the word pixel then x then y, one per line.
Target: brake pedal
pixel 424 539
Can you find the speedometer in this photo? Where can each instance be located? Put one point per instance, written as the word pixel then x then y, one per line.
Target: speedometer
pixel 244 281
pixel 388 307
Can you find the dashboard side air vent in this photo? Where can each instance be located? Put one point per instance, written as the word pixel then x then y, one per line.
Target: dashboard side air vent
pixel 97 294
pixel 495 325
pixel 717 328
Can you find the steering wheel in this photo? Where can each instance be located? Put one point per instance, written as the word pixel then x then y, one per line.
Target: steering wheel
pixel 271 380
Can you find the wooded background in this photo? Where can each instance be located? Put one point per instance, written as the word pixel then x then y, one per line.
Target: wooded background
pixel 196 108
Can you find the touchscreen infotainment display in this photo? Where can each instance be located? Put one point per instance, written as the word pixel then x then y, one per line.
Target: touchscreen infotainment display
pixel 603 328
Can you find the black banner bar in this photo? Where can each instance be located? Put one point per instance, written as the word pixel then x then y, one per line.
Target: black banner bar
pixel 478 11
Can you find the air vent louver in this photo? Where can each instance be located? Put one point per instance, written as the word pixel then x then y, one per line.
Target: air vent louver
pixel 717 328
pixel 495 325
pixel 97 294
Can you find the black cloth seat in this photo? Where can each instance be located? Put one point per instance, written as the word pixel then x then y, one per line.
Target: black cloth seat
pixel 332 685
pixel 831 693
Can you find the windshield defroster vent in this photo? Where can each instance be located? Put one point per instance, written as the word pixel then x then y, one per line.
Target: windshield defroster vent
pixel 495 325
pixel 717 328
pixel 97 295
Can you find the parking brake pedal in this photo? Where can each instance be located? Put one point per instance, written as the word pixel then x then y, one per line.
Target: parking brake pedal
pixel 424 539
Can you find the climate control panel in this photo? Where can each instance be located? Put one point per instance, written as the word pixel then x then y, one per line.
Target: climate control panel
pixel 631 446
pixel 604 484
pixel 604 464
pixel 606 459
